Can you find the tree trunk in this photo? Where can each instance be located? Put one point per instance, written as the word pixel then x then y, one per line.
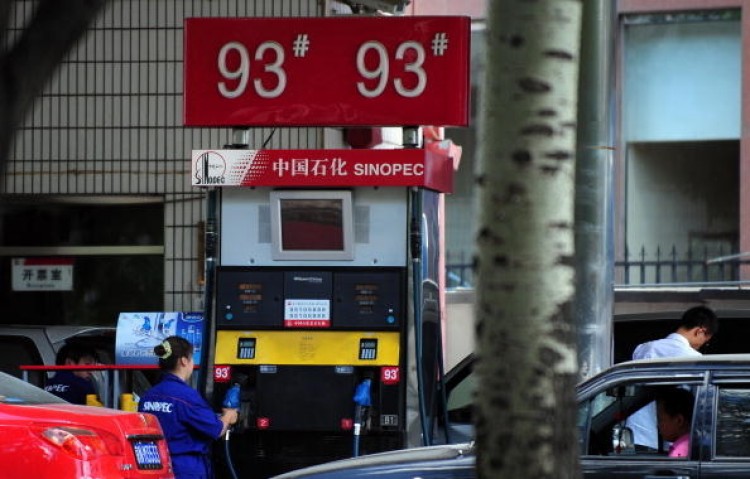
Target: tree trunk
pixel 527 363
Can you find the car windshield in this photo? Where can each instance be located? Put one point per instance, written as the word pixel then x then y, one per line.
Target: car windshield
pixel 17 391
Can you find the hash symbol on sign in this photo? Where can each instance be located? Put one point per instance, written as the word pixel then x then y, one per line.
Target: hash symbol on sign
pixel 439 44
pixel 301 45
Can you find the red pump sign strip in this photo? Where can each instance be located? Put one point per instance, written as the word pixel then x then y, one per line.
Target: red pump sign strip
pixel 323 168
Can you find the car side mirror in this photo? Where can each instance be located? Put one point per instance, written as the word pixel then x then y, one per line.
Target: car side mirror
pixel 622 440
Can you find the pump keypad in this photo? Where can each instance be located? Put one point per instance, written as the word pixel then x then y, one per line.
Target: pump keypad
pixel 368 349
pixel 246 348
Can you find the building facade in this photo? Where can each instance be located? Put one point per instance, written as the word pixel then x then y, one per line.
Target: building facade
pixel 98 178
pixel 98 184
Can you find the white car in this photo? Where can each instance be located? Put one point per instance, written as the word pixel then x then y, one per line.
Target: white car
pixel 38 345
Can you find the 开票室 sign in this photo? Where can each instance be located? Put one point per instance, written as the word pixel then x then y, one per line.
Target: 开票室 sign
pixel 323 168
pixel 42 274
pixel 340 71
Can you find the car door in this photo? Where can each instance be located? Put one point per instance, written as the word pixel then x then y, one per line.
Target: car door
pixel 606 440
pixel 727 448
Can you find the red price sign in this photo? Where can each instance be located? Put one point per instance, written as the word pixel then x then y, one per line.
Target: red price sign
pixel 342 71
pixel 222 374
pixel 389 375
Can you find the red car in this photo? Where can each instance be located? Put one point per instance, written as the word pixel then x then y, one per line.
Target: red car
pixel 43 436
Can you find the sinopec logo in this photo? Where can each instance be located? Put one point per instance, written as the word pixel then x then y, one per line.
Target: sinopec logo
pixel 210 168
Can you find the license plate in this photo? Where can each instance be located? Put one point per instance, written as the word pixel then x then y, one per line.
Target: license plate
pixel 147 455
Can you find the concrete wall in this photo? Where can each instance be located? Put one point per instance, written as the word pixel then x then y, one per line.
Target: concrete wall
pixel 459 326
pixel 474 8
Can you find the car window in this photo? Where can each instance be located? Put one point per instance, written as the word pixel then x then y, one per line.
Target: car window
pixel 601 402
pixel 582 421
pixel 622 420
pixel 17 391
pixel 733 422
pixel 17 350
pixel 461 400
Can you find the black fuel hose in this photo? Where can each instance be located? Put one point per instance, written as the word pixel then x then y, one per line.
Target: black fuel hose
pixel 228 454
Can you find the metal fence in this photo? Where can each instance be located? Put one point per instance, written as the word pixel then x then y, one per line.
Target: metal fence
pixel 459 270
pixel 670 266
pixel 662 267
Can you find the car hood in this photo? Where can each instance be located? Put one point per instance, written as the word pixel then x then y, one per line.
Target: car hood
pixel 401 456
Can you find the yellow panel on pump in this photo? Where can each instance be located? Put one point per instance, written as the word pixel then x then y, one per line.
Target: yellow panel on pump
pixel 308 348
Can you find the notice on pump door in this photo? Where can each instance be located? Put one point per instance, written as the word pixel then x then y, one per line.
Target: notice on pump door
pixel 307 313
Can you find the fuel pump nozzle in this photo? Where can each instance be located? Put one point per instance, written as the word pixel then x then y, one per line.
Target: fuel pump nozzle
pixel 237 396
pixel 232 397
pixel 362 403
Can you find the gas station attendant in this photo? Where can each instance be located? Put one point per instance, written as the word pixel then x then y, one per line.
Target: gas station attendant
pixel 190 425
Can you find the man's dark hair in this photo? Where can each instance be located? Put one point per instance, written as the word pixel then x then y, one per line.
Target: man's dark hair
pixel 700 317
pixel 74 352
pixel 676 400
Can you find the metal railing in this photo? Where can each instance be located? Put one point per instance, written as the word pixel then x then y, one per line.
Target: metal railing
pixel 110 387
pixel 459 270
pixel 644 268
pixel 670 267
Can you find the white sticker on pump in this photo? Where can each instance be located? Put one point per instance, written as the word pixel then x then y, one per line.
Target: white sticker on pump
pixel 307 313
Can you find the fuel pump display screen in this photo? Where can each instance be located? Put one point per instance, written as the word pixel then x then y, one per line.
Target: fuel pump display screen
pixel 311 225
pixel 247 298
pixel 366 297
pixel 250 296
pixel 246 348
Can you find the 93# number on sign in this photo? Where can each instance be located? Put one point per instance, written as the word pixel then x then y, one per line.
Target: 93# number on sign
pixel 358 71
pixel 242 72
pixel 233 64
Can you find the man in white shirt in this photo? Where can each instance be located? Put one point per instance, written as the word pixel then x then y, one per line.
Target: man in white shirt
pixel 695 330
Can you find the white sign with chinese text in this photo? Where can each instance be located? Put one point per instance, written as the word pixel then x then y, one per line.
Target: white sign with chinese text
pixel 307 313
pixel 42 274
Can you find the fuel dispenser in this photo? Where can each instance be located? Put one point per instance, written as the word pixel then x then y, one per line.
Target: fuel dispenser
pixel 327 310
pixel 326 269
pixel 304 377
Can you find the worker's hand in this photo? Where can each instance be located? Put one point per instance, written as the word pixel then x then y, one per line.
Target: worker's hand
pixel 229 415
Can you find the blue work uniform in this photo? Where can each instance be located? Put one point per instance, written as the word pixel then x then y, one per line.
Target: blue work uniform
pixel 190 425
pixel 70 387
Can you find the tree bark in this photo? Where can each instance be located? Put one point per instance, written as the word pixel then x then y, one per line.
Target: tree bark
pixel 527 363
pixel 28 64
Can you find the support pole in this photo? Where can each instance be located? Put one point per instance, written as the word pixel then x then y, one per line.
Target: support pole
pixel 593 306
